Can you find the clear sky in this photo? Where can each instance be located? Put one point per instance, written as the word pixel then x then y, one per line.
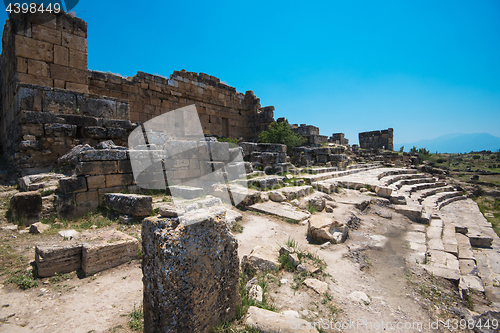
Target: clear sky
pixel 425 68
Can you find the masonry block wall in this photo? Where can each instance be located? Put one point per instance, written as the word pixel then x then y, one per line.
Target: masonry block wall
pixel 377 139
pixel 43 68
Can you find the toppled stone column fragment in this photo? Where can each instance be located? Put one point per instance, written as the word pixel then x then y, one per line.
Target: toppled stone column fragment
pixel 190 272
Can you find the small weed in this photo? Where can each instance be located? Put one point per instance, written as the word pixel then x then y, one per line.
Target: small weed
pixel 136 321
pixel 311 209
pixel 24 280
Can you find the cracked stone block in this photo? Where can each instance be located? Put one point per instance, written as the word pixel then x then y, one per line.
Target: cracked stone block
pixel 60 259
pixel 129 204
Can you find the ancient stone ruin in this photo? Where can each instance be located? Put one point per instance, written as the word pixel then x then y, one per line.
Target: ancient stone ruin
pixel 83 140
pixel 377 139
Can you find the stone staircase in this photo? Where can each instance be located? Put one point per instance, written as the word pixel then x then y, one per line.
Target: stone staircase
pixel 450 237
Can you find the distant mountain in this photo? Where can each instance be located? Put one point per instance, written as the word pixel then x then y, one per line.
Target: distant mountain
pixel 456 143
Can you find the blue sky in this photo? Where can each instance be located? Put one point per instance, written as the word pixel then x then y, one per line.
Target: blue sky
pixel 425 68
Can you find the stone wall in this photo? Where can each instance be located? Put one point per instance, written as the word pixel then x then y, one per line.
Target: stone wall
pixel 310 133
pixel 377 139
pixel 43 68
pixel 222 110
pixel 319 156
pixel 43 123
pixel 108 169
pixel 339 138
pixel 268 157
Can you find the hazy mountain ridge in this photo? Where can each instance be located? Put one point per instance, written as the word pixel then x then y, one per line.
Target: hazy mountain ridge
pixel 456 143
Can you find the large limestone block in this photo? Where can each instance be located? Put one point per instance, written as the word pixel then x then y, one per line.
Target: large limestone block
pixel 129 204
pixel 190 273
pixel 262 259
pixel 272 322
pixel 414 213
pixel 26 207
pixel 61 259
pixel 113 248
pixel 325 229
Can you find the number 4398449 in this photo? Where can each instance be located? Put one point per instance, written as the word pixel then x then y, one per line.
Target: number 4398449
pixel 33 8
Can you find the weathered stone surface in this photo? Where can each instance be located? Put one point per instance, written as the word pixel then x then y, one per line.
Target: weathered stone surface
pixel 72 185
pixel 468 266
pixel 60 130
pixel 260 259
pixel 232 217
pixel 69 234
pixel 256 293
pixel 72 157
pixel 276 196
pixel 470 283
pixel 478 239
pixel 318 286
pixel 359 297
pixel 39 228
pixel 414 213
pixel 317 202
pixel 168 210
pixel 26 207
pixel 187 192
pixel 103 155
pixel 190 274
pixel 447 273
pixel 278 209
pixel 322 229
pixel 271 322
pixel 384 192
pixel 94 132
pixel 113 248
pixel 61 259
pixel 129 204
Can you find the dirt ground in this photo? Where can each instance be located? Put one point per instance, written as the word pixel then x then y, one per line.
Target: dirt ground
pixel 101 303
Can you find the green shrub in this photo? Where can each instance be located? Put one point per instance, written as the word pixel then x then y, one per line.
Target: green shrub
pixel 476 157
pixel 24 280
pixel 281 133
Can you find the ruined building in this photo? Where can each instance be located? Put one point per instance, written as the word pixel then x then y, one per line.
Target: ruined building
pixel 377 139
pixel 51 102
pixel 339 138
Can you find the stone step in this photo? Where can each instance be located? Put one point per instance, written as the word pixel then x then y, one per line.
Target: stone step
pixel 451 200
pixel 281 210
pixel 436 199
pixel 335 174
pixel 420 180
pixel 421 195
pixel 418 187
pixel 397 178
pixel 396 172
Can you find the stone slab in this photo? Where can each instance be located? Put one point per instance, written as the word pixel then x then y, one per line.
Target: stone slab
pixel 414 213
pixel 272 322
pixel 446 273
pixel 435 244
pixel 416 237
pixel 108 249
pixel 470 282
pixel 61 259
pixel 318 286
pixel 261 258
pixel 468 266
pixel 129 204
pixel 434 232
pixel 278 209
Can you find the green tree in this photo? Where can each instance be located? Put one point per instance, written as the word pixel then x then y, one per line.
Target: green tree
pixel 402 149
pixel 281 133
